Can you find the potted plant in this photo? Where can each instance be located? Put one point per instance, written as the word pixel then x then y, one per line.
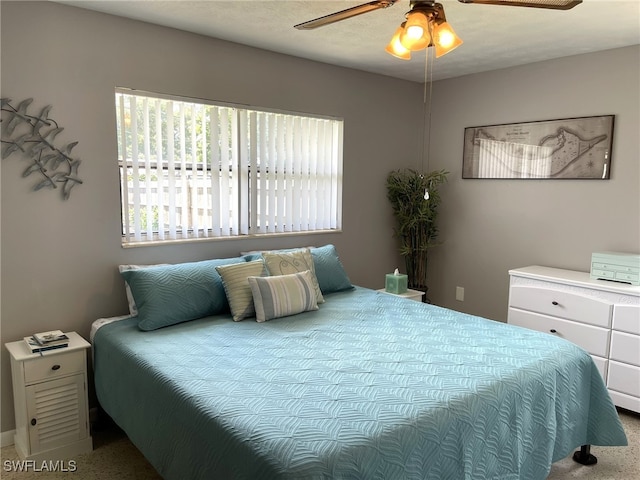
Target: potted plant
pixel 415 198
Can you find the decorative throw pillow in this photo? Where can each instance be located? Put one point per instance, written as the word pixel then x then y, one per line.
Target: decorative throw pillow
pixel 133 310
pixel 283 295
pixel 286 263
pixel 236 285
pixel 329 270
pixel 257 254
pixel 172 294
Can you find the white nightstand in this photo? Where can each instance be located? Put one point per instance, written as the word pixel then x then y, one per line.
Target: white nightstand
pixel 410 294
pixel 50 399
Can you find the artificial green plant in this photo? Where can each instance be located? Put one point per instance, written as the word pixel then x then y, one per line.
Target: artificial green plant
pixel 416 215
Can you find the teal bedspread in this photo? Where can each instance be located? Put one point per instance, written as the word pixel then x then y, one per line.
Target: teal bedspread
pixel 370 386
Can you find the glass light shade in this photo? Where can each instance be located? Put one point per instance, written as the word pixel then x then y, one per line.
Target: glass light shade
pixel 445 39
pixel 395 48
pixel 415 35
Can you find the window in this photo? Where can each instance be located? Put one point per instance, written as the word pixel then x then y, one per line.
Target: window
pixel 193 169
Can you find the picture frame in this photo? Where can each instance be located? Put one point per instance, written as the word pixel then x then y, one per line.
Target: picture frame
pixel 567 148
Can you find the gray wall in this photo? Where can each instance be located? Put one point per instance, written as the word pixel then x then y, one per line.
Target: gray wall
pixel 59 259
pixel 491 226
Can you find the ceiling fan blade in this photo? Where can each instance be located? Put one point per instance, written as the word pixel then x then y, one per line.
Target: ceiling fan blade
pixel 551 4
pixel 344 14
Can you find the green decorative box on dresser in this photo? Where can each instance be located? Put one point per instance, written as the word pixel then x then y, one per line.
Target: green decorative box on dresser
pixel 619 267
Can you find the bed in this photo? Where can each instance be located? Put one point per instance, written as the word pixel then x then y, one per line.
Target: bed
pixel 368 385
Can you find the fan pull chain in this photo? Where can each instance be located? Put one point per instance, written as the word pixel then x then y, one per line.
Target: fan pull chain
pixel 428 78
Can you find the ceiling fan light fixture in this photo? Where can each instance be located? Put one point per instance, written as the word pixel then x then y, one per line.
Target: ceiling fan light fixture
pixel 551 4
pixel 396 48
pixel 445 39
pixel 415 35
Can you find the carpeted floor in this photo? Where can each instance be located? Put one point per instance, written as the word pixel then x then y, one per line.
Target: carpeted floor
pixel 114 457
pixel 614 463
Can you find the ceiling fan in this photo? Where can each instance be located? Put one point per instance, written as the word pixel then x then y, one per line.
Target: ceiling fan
pixel 426 24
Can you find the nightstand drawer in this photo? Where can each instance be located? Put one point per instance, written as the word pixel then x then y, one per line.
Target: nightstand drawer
pixel 52 366
pixel 562 304
pixel 594 340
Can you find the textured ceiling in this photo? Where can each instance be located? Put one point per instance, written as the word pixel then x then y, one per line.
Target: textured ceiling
pixel 494 36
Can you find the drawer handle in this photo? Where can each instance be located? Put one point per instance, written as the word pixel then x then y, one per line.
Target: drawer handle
pixel 33 421
pixel 553 330
pixel 554 303
pixel 55 367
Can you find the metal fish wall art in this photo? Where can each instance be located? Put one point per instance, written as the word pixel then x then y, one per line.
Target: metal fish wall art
pixel 34 137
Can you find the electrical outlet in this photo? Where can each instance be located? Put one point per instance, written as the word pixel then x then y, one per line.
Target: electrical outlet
pixel 460 294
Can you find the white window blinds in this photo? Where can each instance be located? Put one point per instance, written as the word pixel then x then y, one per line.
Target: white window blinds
pixel 193 170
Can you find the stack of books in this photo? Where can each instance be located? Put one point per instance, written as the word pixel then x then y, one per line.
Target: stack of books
pixel 43 341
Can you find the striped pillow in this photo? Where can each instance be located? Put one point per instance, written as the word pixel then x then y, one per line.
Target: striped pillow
pixel 283 295
pixel 236 286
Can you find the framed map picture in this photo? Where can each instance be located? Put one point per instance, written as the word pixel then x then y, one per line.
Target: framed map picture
pixel 551 149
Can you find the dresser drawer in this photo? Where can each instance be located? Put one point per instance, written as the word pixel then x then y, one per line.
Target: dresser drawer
pixel 625 401
pixel 626 318
pixel 601 365
pixel 562 304
pixel 594 340
pixel 624 378
pixel 49 367
pixel 625 347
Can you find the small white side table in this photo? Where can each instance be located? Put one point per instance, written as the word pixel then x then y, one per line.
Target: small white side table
pixel 50 400
pixel 410 294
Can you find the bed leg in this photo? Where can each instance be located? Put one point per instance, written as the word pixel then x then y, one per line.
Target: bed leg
pixel 584 456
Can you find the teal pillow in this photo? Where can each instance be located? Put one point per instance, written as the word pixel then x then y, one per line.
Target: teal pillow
pixel 252 257
pixel 329 270
pixel 170 294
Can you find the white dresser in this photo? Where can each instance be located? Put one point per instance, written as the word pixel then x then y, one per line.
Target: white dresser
pixel 601 316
